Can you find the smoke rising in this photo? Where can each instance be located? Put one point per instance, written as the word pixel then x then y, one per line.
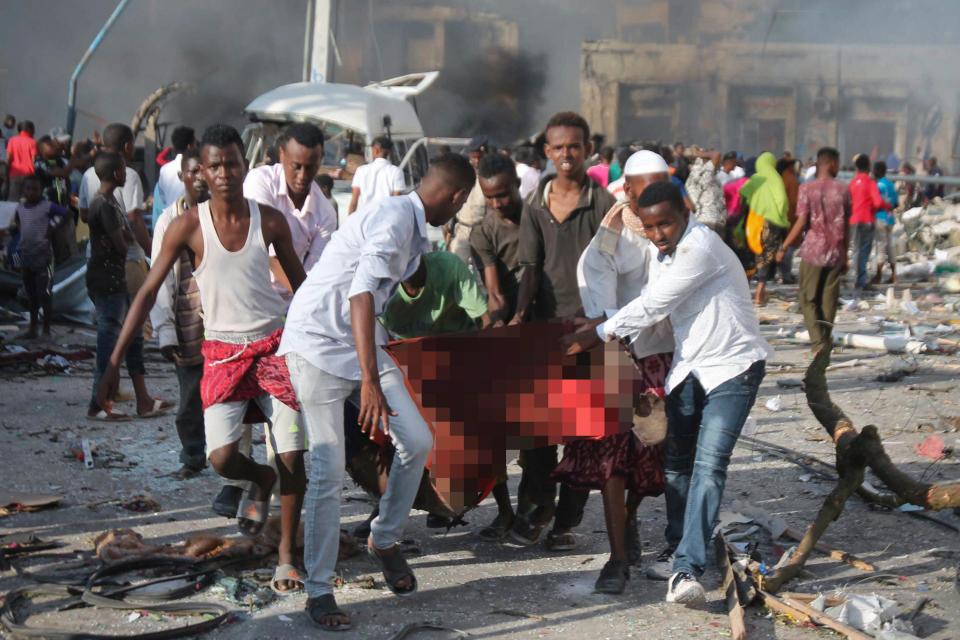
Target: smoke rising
pixel 233 50
pixel 228 50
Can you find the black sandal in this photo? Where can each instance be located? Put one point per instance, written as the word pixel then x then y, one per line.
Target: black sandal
pixel 326 605
pixel 499 528
pixel 613 577
pixel 395 569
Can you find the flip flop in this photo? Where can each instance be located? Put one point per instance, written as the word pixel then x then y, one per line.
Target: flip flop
pixel 254 512
pixel 109 416
pixel 160 408
pixel 290 573
pixel 326 605
pixel 394 568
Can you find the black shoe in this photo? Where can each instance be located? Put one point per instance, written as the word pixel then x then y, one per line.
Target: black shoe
pixel 613 577
pixel 186 472
pixel 561 541
pixel 499 528
pixel 438 522
pixel 525 533
pixel 228 501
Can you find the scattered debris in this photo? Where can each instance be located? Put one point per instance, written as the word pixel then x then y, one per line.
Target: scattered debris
pixel 738 625
pixel 243 592
pixel 890 343
pixel 513 613
pixel 141 503
pixel 409 629
pixel 803 612
pixel 932 448
pixel 19 501
pixel 899 370
pixel 774 404
pixel 119 545
pixel 365 582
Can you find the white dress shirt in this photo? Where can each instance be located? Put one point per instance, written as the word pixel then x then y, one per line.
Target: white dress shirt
pixel 703 290
pixel 378 179
pixel 162 315
pixel 379 246
pixel 169 185
pixel 129 197
pixel 612 271
pixel 529 179
pixel 723 177
pixel 310 226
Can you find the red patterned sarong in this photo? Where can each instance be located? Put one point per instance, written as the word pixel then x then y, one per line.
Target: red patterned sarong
pixel 233 372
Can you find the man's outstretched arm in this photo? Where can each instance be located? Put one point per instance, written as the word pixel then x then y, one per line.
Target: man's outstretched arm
pixel 175 241
pixel 278 235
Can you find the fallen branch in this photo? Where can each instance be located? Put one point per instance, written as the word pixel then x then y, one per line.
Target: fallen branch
pixel 738 626
pixel 856 450
pixel 830 511
pixel 836 554
pixel 797 608
pixel 775 604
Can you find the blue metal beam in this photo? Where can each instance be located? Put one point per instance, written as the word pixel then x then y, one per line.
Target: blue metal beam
pixel 72 92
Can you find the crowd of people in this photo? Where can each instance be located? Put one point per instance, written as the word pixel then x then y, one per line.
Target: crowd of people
pixel 271 312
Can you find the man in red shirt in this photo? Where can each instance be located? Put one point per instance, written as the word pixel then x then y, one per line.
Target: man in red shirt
pixel 865 201
pixel 21 152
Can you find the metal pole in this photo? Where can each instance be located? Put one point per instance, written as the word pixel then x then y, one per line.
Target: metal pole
pixel 308 40
pixel 72 91
pixel 947 181
pixel 321 25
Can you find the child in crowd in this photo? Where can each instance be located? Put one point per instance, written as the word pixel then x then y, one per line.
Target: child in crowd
pixel 110 234
pixel 36 218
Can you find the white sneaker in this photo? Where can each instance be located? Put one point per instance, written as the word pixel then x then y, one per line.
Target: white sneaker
pixel 683 588
pixel 662 567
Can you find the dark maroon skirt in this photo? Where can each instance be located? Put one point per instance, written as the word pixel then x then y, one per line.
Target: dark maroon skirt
pixel 589 463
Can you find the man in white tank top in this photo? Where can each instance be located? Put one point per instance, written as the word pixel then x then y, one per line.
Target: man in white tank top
pixel 229 237
pixel 332 342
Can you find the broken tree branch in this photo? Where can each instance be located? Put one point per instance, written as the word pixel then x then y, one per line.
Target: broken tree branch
pixel 796 608
pixel 836 554
pixel 738 626
pixel 855 451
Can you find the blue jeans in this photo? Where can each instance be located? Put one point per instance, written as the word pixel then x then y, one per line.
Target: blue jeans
pixel 863 239
pixel 111 311
pixel 702 429
pixel 321 397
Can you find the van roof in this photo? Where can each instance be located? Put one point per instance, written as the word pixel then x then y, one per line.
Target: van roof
pixel 346 106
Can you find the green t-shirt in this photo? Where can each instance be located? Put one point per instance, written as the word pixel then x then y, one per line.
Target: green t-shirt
pixel 451 301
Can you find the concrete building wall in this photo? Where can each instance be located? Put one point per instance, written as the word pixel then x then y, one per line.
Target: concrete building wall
pixel 755 96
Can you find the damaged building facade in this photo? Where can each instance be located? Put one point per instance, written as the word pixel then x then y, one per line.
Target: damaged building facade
pixel 746 75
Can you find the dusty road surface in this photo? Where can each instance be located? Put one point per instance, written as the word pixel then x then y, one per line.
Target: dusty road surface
pixel 494 591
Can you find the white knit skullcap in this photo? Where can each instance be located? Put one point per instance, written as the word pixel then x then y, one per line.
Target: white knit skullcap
pixel 644 163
